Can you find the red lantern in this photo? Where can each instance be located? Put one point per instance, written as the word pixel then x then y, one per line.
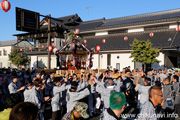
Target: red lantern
pixel 151 34
pixel 177 29
pixel 21 49
pixel 98 48
pixel 11 49
pixel 53 44
pixel 85 41
pixel 125 38
pixel 30 48
pixel 104 40
pixel 42 46
pixel 77 31
pixel 50 48
pixel 5 5
pixel 3 49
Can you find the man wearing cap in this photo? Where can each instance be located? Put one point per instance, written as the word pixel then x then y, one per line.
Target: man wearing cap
pixel 117 102
pixel 56 97
pixel 79 111
pixel 13 85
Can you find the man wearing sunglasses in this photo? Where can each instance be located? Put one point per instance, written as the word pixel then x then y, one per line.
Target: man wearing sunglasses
pixel 148 109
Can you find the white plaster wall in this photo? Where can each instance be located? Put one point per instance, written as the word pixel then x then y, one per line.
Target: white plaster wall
pixel 104 61
pixel 53 61
pixel 33 62
pixel 124 60
pixel 101 33
pixel 95 61
pixel 43 61
pixel 172 26
pixel 5 59
pixel 159 65
pixel 135 30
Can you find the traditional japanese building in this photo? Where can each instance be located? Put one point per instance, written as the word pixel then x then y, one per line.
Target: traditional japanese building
pixel 6 47
pixel 114 37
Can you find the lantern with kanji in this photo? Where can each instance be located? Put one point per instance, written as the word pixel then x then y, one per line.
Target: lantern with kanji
pixel 50 48
pixel 5 5
pixel 77 31
pixel 104 40
pixel 151 34
pixel 125 38
pixel 42 46
pixel 177 28
pixel 85 41
pixel 53 44
pixel 98 48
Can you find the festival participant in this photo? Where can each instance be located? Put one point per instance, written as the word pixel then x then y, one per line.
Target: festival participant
pixel 37 98
pixel 148 109
pixel 168 96
pixel 49 84
pixel 117 102
pixel 73 96
pixel 107 89
pixel 176 87
pixel 79 111
pixel 13 85
pixel 143 89
pixel 56 97
pixel 24 111
pixel 28 91
pixel 10 100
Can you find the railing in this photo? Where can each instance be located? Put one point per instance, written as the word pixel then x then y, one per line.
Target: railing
pixel 41 47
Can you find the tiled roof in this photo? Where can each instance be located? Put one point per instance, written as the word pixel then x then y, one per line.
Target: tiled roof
pixel 161 39
pixel 90 25
pixel 143 18
pixel 8 43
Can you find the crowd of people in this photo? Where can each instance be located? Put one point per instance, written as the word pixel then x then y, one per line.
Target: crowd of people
pixel 154 94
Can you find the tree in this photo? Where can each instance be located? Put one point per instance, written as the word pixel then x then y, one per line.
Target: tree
pixel 143 52
pixel 18 58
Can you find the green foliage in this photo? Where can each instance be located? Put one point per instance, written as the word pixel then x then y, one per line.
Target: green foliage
pixel 143 52
pixel 18 58
pixel 72 35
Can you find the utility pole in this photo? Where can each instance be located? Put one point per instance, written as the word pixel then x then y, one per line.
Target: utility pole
pixel 49 41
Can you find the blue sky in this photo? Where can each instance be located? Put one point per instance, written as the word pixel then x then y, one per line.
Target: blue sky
pixel 98 9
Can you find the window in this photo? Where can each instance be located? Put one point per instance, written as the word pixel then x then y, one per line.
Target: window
pixel 118 66
pixel 117 31
pixel 5 52
pixel 9 64
pixel 156 27
pixel 88 34
pixel 0 53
